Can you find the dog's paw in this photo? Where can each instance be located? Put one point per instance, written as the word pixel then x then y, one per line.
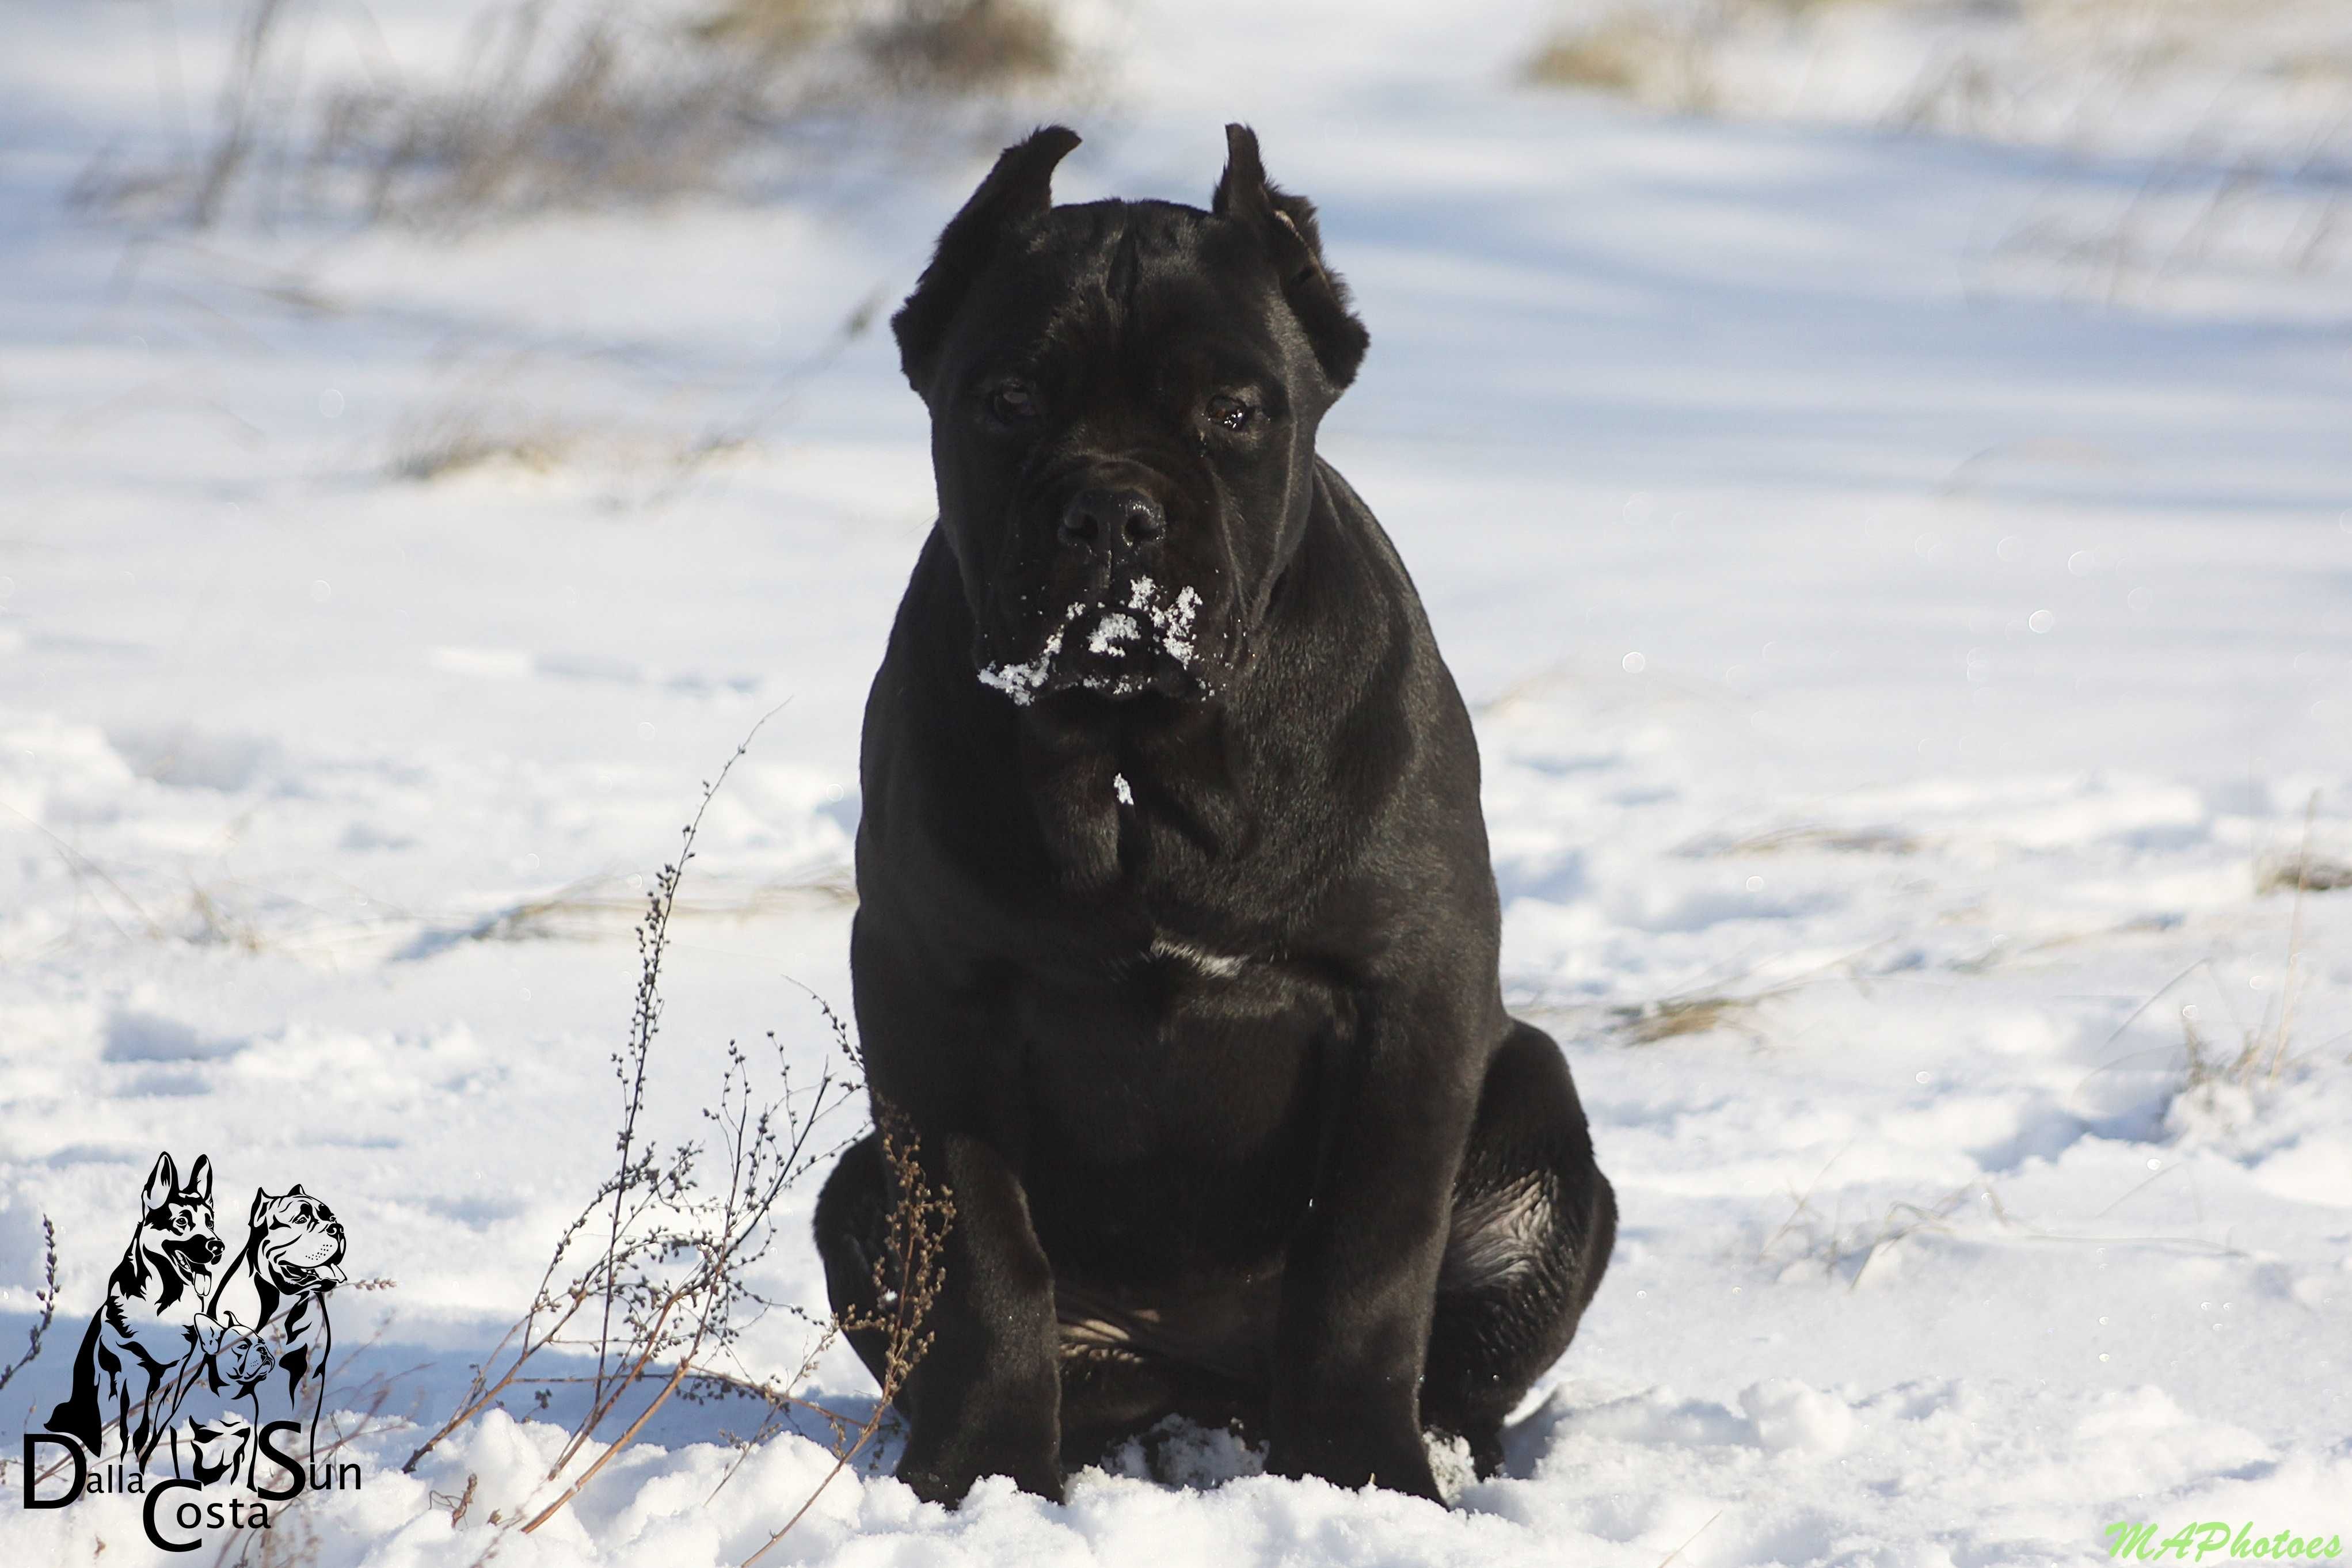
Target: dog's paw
pixel 1360 1459
pixel 942 1466
pixel 947 1483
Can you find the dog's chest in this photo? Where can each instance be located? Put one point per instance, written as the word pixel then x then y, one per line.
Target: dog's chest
pixel 1185 1052
pixel 1161 1139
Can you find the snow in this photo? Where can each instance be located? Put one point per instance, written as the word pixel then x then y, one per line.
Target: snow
pixel 1900 646
pixel 1112 633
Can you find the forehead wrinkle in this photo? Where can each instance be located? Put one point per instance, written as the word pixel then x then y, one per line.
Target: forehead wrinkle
pixel 1132 300
pixel 1124 261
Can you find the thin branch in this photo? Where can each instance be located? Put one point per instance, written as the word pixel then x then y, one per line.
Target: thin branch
pixel 47 1296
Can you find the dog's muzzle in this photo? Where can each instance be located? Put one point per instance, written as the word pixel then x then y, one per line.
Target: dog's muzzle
pixel 1140 637
pixel 201 1254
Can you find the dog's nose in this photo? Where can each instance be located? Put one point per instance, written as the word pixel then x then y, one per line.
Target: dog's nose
pixel 1112 521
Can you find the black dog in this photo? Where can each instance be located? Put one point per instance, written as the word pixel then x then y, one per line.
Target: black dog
pixel 1177 939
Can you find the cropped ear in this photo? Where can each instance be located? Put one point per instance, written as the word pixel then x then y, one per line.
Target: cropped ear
pixel 1020 186
pixel 200 1179
pixel 261 1201
pixel 1286 226
pixel 162 1180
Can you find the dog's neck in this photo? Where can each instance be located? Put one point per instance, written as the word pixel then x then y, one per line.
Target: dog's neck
pixel 1097 778
pixel 248 1268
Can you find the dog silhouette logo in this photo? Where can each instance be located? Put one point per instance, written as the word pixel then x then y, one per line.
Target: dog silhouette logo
pixel 197 1364
pixel 146 1329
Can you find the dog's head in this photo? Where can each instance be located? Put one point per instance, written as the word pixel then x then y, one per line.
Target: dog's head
pixel 239 1355
pixel 175 1221
pixel 1124 397
pixel 298 1242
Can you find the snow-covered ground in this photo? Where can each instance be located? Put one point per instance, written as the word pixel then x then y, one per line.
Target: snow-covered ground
pixel 1899 667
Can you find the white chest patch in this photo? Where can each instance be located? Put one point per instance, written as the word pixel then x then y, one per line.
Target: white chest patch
pixel 1222 965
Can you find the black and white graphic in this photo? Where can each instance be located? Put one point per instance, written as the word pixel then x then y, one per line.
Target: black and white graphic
pixel 152 1321
pixel 200 1367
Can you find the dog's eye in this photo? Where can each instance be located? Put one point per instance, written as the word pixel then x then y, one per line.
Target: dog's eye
pixel 1231 412
pixel 1011 402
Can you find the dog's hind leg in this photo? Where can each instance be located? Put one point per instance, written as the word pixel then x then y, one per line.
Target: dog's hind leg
pixel 853 1228
pixel 1534 1221
pixel 80 1416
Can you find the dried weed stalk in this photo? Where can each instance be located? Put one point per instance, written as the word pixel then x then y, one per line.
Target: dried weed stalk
pixel 556 104
pixel 652 1276
pixel 47 1296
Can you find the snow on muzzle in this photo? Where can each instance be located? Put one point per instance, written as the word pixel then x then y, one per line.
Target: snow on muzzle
pixel 1147 641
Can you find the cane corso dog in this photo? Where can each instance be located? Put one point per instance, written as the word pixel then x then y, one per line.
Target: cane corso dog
pixel 290 1263
pixel 147 1326
pixel 1176 947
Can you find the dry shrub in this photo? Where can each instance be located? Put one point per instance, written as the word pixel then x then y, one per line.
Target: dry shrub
pixel 1638 53
pixel 592 106
pixel 1662 54
pixel 2234 117
pixel 1807 1239
pixel 652 1276
pixel 1806 838
pixel 47 1296
pixel 2305 873
pixel 965 46
pixel 1647 1023
pixel 451 443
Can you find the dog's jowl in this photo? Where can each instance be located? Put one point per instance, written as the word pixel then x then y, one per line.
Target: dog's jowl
pixel 1176 949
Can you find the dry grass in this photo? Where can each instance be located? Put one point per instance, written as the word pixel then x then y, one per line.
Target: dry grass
pixel 1809 1239
pixel 1734 1003
pixel 2304 873
pixel 453 442
pixel 965 46
pixel 585 108
pixel 2242 126
pixel 1634 53
pixel 1804 838
pixel 1669 1017
pixel 2247 1053
pixel 596 907
pixel 453 439
pixel 1659 54
pixel 213 922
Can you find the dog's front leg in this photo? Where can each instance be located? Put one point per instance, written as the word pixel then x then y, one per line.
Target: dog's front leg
pixel 986 1399
pixel 1361 1283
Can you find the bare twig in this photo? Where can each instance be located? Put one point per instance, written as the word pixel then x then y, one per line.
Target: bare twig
pixel 908 1278
pixel 2294 941
pixel 47 1296
pixel 660 1296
